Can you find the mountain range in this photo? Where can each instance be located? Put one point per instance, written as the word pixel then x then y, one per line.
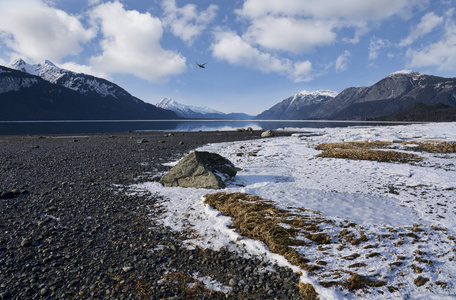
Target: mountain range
pixel 392 94
pixel 47 92
pixel 198 112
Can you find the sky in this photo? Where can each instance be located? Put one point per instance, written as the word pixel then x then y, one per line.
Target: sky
pixel 258 52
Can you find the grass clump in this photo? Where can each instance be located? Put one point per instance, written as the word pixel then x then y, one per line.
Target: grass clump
pixel 355 282
pixel 260 219
pixel 354 145
pixel 365 151
pixel 434 146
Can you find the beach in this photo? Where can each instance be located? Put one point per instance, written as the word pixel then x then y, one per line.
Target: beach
pixel 71 232
pixel 346 213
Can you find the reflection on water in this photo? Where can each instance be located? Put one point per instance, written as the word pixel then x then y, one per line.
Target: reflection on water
pixel 77 127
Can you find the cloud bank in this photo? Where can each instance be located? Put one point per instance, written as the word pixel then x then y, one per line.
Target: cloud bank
pixel 129 43
pixel 34 30
pixel 279 37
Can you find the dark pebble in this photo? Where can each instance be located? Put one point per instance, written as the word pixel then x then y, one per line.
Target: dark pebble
pixel 7 195
pixel 79 235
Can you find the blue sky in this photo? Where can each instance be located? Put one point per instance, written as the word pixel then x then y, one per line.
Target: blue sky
pixel 259 52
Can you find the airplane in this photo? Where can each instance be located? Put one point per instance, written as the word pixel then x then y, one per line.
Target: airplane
pixel 201 65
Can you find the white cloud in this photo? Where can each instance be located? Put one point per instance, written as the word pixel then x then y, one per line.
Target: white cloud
pixel 290 34
pixel 427 24
pixel 77 68
pixel 329 9
pixel 36 31
pixel 187 22
pixel 131 44
pixel 376 45
pixel 314 23
pixel 441 54
pixel 343 61
pixel 233 49
pixel 302 71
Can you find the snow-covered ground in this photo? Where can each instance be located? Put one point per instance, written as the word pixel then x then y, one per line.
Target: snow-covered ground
pixel 407 211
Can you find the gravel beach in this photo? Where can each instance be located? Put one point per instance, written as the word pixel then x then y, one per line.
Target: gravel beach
pixel 69 229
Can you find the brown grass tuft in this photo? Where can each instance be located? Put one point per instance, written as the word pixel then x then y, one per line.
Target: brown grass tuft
pixel 308 291
pixel 355 282
pixel 434 146
pixel 259 219
pixel 365 151
pixel 353 145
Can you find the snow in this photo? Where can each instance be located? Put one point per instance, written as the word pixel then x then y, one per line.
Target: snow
pixel 407 73
pixel 210 283
pixel 8 84
pixel 308 98
pixel 185 110
pixel 318 93
pixel 406 210
pixel 77 82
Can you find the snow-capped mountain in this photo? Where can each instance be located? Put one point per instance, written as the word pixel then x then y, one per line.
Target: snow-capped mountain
pixel 186 111
pixel 297 107
pixel 25 96
pixel 82 83
pixel 390 95
pixel 197 112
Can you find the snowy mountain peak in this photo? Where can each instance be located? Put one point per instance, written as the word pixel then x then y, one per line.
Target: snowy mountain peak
pixel 46 70
pixel 327 93
pixel 21 65
pixel 308 98
pixel 406 73
pixel 185 111
pixel 76 81
pixel 49 63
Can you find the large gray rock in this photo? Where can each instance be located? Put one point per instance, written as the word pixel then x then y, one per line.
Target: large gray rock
pixel 200 170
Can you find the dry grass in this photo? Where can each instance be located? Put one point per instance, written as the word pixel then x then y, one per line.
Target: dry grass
pixel 354 145
pixel 355 282
pixel 434 146
pixel 260 219
pixel 369 154
pixel 365 151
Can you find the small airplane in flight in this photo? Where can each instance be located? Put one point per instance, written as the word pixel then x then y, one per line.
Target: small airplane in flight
pixel 202 66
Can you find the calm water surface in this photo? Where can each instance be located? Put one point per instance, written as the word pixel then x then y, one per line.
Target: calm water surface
pixel 79 127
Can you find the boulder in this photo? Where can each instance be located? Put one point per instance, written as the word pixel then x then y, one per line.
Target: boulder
pixel 267 133
pixel 200 170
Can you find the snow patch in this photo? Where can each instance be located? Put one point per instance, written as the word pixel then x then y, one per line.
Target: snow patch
pixel 405 211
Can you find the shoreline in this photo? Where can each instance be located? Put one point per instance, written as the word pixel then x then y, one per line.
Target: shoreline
pixel 73 232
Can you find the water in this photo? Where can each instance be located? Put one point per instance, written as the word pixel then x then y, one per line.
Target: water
pixel 119 126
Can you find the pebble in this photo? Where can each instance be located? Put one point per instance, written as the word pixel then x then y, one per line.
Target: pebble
pixel 233 282
pixel 26 242
pixel 127 269
pixel 78 234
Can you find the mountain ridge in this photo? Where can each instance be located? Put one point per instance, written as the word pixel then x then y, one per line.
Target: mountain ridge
pixel 298 106
pixel 25 96
pixel 394 93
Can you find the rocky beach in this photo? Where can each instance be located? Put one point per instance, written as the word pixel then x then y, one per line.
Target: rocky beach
pixel 70 229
